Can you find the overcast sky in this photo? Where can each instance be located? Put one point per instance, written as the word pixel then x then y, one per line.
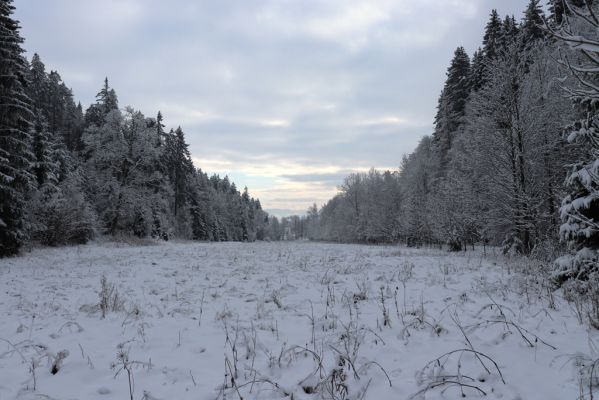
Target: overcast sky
pixel 285 96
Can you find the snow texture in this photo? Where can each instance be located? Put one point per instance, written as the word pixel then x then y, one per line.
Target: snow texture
pixel 297 319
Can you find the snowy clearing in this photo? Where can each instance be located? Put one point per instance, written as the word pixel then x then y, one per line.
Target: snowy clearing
pixel 282 320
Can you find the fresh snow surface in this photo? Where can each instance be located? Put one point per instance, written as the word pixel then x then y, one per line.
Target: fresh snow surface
pixel 295 320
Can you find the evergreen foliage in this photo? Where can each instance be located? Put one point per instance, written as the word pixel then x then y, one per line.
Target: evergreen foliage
pixel 15 138
pixel 492 170
pixel 66 175
pixel 579 210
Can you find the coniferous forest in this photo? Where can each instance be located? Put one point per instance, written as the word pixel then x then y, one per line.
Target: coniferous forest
pixel 69 174
pixel 513 158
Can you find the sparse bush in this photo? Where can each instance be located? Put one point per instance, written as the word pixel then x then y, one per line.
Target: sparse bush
pixel 124 363
pixel 456 369
pixel 109 298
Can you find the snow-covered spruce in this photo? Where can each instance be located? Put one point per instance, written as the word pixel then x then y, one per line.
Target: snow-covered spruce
pixel 579 271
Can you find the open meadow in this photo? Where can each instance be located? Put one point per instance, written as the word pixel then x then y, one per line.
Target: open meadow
pixel 293 320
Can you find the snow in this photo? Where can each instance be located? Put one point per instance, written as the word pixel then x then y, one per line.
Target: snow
pixel 188 309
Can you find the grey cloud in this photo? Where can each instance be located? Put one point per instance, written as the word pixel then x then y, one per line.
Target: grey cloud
pixel 282 212
pixel 332 177
pixel 265 81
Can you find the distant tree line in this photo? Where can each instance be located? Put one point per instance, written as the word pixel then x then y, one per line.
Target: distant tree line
pixel 68 174
pixel 295 227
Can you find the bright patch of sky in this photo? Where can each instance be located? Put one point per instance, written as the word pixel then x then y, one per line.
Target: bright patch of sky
pixel 284 96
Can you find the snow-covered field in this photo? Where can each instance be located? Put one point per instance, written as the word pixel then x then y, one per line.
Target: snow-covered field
pixel 282 320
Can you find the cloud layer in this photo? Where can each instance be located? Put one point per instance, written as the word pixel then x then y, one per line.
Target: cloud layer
pixel 285 96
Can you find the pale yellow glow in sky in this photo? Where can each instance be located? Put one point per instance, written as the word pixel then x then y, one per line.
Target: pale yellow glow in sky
pixel 273 182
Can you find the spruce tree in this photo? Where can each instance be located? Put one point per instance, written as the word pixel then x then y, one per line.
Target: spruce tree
pixel 580 207
pixel 73 123
pixel 533 21
pixel 179 166
pixel 452 104
pixel 106 101
pixel 492 37
pixel 44 167
pixel 15 123
pixel 492 43
pixel 159 129
pixel 107 98
pixel 458 84
pixel 55 110
pixel 38 87
pixel 509 34
pixel 477 70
